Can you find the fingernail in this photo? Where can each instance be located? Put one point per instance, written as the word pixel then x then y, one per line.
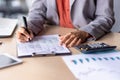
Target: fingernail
pixel 30 38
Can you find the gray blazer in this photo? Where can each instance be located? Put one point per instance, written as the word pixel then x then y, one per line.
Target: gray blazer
pixel 93 16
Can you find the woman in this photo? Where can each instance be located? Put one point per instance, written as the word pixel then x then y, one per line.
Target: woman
pixel 92 18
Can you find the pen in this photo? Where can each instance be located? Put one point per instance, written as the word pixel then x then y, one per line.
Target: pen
pixel 26 26
pixel 25 23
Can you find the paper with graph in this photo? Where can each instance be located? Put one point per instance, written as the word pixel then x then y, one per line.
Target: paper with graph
pixel 94 66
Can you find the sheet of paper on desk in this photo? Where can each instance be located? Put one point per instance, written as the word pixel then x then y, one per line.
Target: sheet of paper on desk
pixel 48 44
pixel 94 66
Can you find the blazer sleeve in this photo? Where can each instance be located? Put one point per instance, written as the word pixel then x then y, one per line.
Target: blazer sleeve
pixel 36 16
pixel 104 19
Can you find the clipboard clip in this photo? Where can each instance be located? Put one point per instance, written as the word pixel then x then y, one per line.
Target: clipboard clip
pixel 52 53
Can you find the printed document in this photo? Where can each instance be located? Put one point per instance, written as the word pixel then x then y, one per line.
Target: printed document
pixel 42 45
pixel 104 66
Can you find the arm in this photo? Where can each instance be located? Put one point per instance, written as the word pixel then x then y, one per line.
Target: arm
pixel 36 16
pixel 104 19
pixel 36 19
pixel 102 23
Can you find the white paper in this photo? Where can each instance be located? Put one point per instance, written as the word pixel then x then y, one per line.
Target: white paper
pixel 48 44
pixel 94 66
pixel 7 26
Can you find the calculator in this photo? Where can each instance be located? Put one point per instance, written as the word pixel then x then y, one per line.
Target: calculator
pixel 94 47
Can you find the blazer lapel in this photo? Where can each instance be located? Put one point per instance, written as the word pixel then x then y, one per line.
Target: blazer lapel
pixel 71 3
pixel 52 3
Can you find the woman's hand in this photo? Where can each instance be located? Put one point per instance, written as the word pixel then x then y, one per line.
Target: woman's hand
pixel 23 36
pixel 74 38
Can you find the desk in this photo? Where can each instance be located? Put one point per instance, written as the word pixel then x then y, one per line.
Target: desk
pixel 44 68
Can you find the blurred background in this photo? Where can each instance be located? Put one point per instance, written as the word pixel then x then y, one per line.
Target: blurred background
pixel 16 8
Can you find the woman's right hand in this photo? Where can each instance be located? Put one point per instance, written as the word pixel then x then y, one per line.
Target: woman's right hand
pixel 23 36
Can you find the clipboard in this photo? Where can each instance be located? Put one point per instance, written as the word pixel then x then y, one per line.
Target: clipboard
pixel 46 45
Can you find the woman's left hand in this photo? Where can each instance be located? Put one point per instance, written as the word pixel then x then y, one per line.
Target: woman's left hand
pixel 74 38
